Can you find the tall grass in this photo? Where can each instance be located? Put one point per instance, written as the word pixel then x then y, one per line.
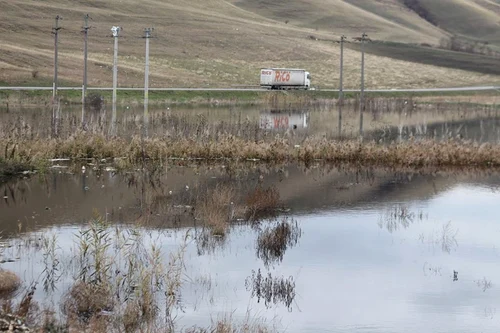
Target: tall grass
pixel 404 154
pixel 122 284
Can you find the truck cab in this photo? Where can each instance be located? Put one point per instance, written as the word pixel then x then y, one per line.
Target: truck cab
pixel 307 81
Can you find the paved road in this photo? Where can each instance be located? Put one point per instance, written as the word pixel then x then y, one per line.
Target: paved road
pixel 460 89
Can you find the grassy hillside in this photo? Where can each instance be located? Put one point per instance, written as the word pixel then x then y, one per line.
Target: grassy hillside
pixel 476 19
pixel 384 19
pixel 209 43
pixel 432 56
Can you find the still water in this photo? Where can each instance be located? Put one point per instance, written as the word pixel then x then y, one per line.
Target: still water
pixel 384 120
pixel 376 251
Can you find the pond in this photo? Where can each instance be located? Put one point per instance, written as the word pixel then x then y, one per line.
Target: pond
pixel 384 120
pixel 346 250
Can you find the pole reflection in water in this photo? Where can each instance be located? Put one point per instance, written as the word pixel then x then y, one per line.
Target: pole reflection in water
pixel 340 119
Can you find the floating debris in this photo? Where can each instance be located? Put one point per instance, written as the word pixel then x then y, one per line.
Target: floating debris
pixel 57 166
pixel 12 323
pixel 59 160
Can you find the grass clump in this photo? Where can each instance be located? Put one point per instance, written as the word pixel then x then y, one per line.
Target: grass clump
pixel 9 282
pixel 216 209
pixel 262 203
pixel 227 324
pixel 9 169
pixel 86 301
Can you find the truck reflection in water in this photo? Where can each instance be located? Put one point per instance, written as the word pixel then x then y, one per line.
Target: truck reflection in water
pixel 282 120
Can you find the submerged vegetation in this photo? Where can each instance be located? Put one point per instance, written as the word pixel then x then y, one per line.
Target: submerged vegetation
pixel 121 278
pixel 116 279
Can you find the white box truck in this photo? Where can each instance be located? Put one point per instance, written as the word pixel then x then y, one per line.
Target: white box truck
pixel 285 78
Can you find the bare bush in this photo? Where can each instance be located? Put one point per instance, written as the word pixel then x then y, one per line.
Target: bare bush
pixel 262 203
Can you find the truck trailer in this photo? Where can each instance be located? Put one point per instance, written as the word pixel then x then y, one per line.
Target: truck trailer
pixel 285 78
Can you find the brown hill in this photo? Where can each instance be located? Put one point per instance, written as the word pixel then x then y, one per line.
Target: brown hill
pixel 211 43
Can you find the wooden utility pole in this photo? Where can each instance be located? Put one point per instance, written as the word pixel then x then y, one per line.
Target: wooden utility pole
pixel 55 31
pixel 116 32
pixel 341 83
pixel 147 36
pixel 364 37
pixel 85 53
pixel 341 88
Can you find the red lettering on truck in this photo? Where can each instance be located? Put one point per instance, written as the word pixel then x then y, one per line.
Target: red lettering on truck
pixel 282 76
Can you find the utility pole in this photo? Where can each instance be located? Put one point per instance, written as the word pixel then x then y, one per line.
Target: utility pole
pixel 85 39
pixel 147 35
pixel 341 88
pixel 341 85
pixel 364 37
pixel 116 32
pixel 55 31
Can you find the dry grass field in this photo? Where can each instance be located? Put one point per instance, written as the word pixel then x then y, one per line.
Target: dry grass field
pixel 217 43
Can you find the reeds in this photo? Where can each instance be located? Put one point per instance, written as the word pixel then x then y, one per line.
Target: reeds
pixel 29 139
pixel 216 209
pixel 116 279
pixel 426 153
pixel 121 283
